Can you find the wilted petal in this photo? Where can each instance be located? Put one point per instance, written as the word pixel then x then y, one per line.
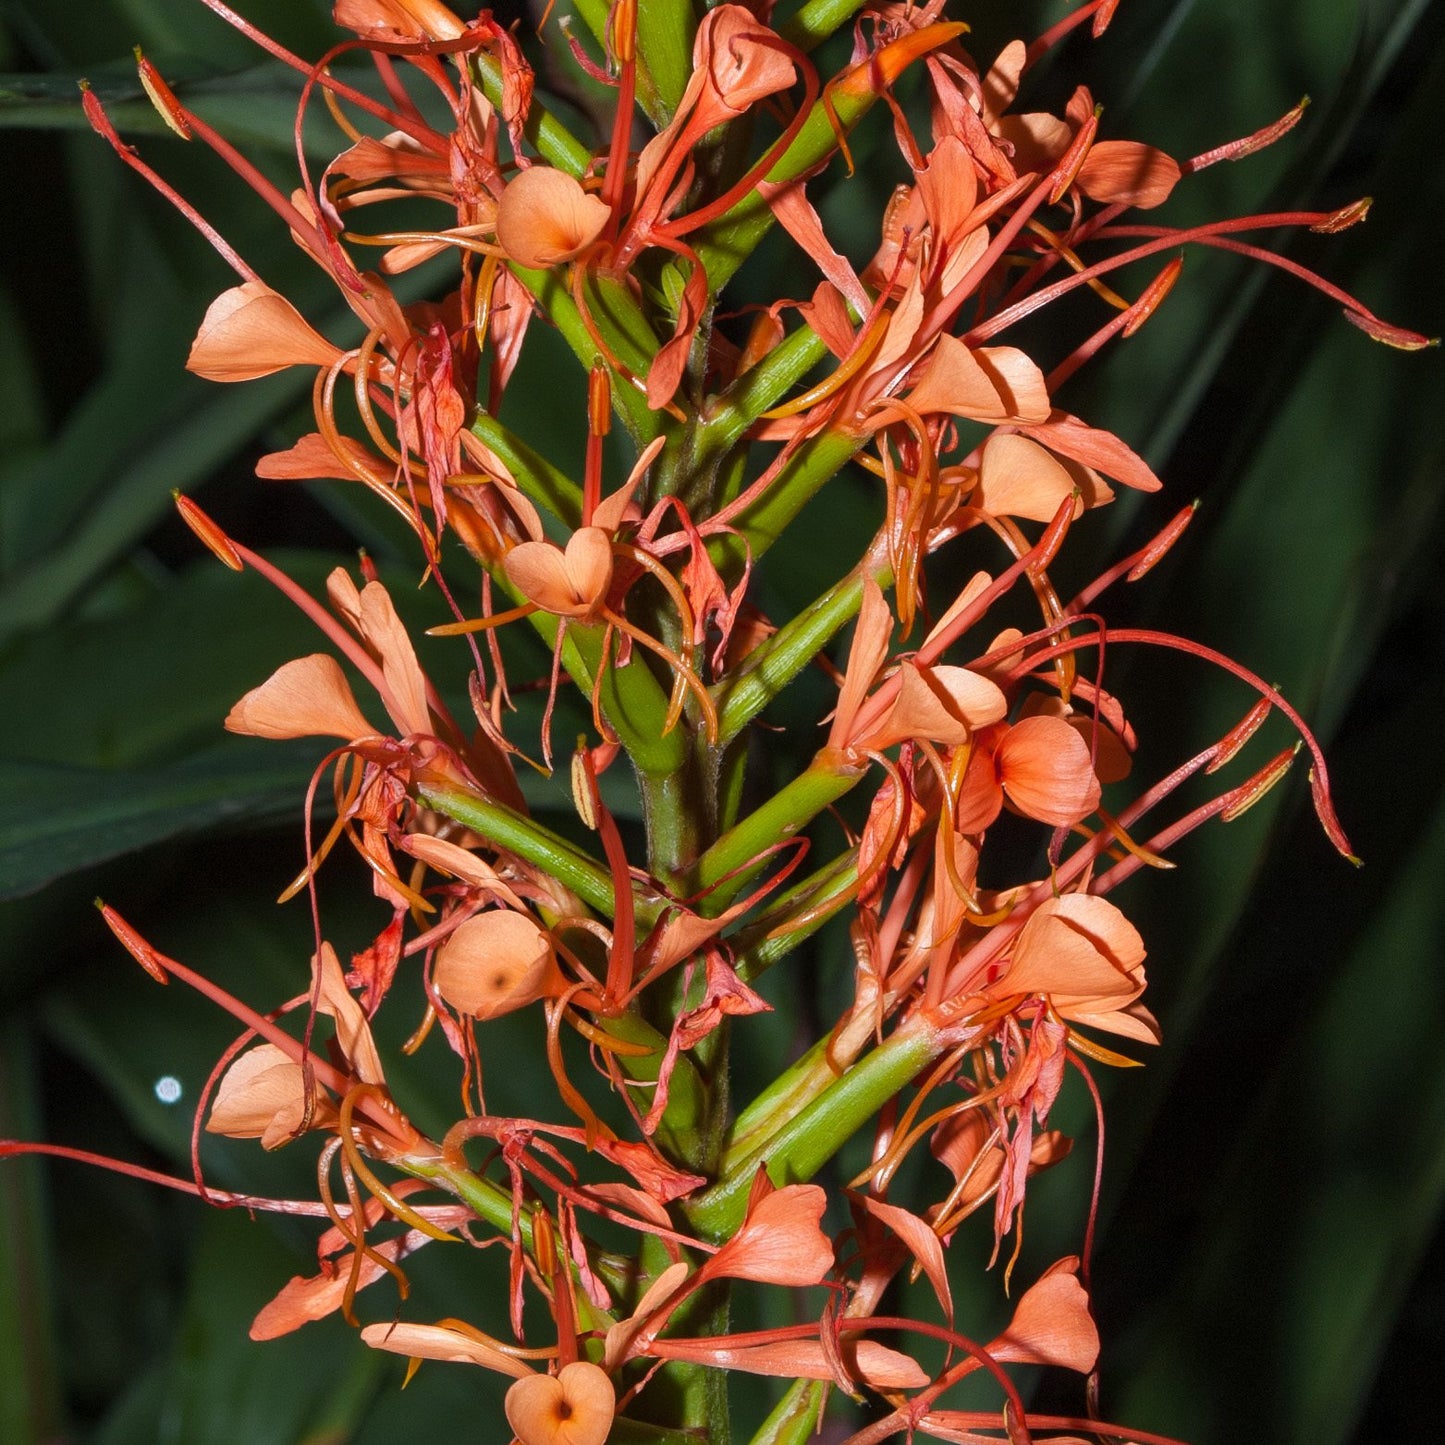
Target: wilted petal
pixel 307 1298
pixel 307 698
pixel 573 1407
pixel 545 217
pixel 252 331
pixel 263 1096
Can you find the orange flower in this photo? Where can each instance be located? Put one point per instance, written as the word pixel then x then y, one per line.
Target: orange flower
pixel 545 217
pixel 1087 959
pixel 1041 764
pixel 573 1407
pixel 495 962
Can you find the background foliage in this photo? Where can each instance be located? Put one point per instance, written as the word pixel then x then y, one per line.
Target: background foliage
pixel 1272 1261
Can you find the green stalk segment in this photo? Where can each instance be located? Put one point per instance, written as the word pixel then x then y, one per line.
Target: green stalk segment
pixel 795 1142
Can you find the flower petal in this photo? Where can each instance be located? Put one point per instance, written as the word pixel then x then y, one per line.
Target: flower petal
pixel 573 1407
pixel 306 698
pixel 545 217
pixel 252 331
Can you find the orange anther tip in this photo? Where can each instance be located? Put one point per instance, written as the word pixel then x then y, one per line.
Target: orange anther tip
pixel 209 532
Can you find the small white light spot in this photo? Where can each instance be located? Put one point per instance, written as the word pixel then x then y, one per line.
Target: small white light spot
pixel 168 1089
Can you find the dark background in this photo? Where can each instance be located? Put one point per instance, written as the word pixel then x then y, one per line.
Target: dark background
pixel 1270 1263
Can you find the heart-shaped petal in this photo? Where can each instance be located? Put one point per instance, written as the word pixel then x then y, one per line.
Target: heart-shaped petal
pixel 573 1407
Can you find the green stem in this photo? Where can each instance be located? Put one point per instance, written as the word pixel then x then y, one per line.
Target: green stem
pixel 794 1419
pixel 727 866
pixel 743 694
pixel 528 839
pixel 544 483
pixel 805 1128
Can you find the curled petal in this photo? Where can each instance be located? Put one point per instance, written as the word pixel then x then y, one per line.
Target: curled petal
pixel 741 60
pixel 252 331
pixel 307 698
pixel 545 218
pixel 263 1096
pixel 495 962
pixel 573 1407
pixel 438 1342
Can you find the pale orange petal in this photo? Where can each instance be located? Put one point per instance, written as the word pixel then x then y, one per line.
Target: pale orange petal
pixel 573 1407
pixel 263 1096
pixel 923 1244
pixel 353 1033
pixel 1019 478
pixel 569 584
pixel 1081 952
pixel 252 331
pixel 993 384
pixel 383 631
pixel 495 962
pixel 779 1241
pixel 545 217
pixel 1044 767
pixel 1052 1324
pixel 437 1342
pixel 412 19
pixel 1101 450
pixel 304 1299
pixel 942 704
pixel 874 1364
pixel 309 697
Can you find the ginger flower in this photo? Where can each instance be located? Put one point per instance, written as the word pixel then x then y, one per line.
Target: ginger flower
pixel 1087 959
pixel 1040 764
pixel 495 962
pixel 545 217
pixel 573 1407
